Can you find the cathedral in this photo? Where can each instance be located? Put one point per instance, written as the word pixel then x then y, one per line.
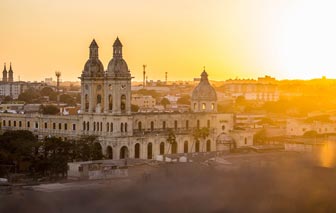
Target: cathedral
pixel 106 112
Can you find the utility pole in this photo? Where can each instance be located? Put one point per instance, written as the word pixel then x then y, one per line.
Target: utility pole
pixel 166 77
pixel 144 75
pixel 58 75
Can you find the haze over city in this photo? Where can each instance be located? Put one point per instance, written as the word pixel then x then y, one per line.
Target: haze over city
pixel 287 39
pixel 168 106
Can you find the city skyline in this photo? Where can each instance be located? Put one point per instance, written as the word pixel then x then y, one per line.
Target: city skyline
pixel 244 39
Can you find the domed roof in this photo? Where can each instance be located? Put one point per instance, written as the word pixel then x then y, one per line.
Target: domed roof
pixel 204 91
pixel 93 68
pixel 117 67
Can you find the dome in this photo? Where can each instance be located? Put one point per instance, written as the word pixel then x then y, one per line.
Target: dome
pixel 204 91
pixel 117 67
pixel 93 68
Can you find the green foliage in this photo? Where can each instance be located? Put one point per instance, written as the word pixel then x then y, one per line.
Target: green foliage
pixel 184 100
pixel 48 157
pixel 68 99
pixel 50 110
pixel 31 95
pixel 48 91
pixel 164 102
pixel 171 137
pixel 260 137
pixel 134 108
pixel 202 133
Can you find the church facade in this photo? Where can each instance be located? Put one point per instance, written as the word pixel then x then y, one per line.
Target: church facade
pixel 106 113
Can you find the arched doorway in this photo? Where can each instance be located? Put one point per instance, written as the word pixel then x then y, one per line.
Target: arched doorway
pixel 162 148
pixel 208 146
pixel 174 148
pixel 197 146
pixel 149 151
pixel 123 152
pixel 109 152
pixel 185 147
pixel 137 150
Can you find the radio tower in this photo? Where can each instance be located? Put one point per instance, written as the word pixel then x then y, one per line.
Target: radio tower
pixel 166 77
pixel 58 75
pixel 144 75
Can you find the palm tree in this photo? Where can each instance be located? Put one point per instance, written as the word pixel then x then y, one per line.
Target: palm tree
pixel 202 133
pixel 171 139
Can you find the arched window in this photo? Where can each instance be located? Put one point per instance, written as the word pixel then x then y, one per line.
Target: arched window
pixel 149 151
pixel 185 147
pixel 107 127
pixel 175 125
pixel 88 126
pixel 139 125
pixel 187 124
pixel 137 150
pixel 97 126
pixel 152 126
pixel 208 124
pixel 109 152
pixel 121 127
pixel 94 126
pixel 195 106
pixel 101 126
pixel 98 99
pixel 203 106
pixel 110 102
pixel 164 125
pixel 84 126
pixel 123 103
pixel 212 106
pixel 162 148
pixel 125 127
pixel 111 129
pixel 198 124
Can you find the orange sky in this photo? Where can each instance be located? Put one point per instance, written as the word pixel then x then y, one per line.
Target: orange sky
pixel 232 38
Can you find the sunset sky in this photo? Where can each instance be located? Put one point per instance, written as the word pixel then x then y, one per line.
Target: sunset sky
pixel 231 38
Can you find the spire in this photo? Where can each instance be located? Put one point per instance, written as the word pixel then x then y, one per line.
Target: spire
pixel 117 48
pixel 117 43
pixel 204 75
pixel 10 73
pixel 4 74
pixel 93 49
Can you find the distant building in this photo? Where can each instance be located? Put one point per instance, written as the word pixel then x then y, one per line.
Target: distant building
pixel 11 88
pixel 143 101
pixel 263 89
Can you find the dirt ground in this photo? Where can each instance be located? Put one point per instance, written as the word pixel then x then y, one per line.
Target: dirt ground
pixel 254 182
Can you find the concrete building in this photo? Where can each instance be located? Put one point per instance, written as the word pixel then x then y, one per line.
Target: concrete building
pixel 143 101
pixel 106 112
pixel 263 89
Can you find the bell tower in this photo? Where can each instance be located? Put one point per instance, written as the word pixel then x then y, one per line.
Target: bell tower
pixel 92 82
pixel 118 83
